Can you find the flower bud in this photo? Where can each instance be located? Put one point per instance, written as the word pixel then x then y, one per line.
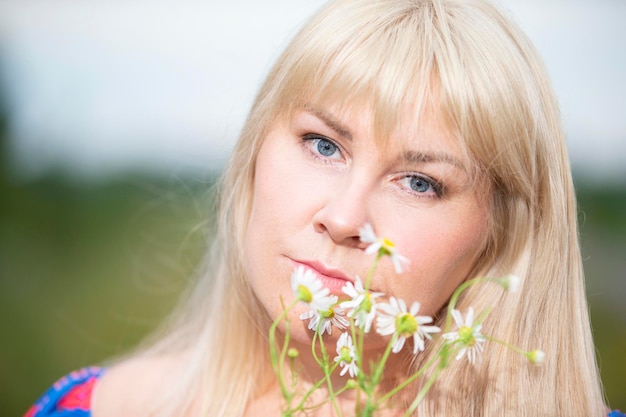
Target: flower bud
pixel 536 357
pixel 352 384
pixel 510 283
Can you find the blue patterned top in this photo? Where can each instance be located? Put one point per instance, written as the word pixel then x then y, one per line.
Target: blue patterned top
pixel 71 395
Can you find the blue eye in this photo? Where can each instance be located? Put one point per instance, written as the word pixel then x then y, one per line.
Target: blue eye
pixel 322 147
pixel 419 185
pixel 326 147
pixel 423 185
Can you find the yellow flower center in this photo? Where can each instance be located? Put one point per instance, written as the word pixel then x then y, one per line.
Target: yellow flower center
pixel 328 314
pixel 366 305
pixel 304 294
pixel 344 356
pixel 388 243
pixel 387 247
pixel 406 324
pixel 466 336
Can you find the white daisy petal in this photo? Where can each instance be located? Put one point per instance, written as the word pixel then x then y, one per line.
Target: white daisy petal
pixel 469 321
pixel 458 318
pixel 367 235
pixel 397 347
pixel 399 261
pixel 307 315
pixel 418 343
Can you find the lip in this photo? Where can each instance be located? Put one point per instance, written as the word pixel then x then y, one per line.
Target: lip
pixel 332 278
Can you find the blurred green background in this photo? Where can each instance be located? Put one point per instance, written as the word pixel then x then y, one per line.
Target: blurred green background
pixel 88 268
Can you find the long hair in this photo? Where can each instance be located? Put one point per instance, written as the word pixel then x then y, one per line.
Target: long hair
pixel 491 88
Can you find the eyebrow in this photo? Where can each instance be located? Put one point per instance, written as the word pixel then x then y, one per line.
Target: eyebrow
pixel 330 121
pixel 417 157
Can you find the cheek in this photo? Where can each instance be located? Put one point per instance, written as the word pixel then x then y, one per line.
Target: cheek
pixel 441 256
pixel 271 192
pixel 288 191
pixel 275 217
pixel 261 241
pixel 267 209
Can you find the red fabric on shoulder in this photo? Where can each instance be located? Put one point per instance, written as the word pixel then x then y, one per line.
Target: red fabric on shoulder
pixel 79 397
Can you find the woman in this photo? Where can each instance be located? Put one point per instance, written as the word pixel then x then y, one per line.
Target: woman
pixel 433 121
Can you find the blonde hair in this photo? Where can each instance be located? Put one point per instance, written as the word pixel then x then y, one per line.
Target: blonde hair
pixel 489 84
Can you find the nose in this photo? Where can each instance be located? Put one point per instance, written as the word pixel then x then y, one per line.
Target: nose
pixel 345 210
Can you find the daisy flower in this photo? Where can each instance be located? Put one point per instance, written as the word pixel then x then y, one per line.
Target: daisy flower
pixel 361 304
pixel 468 336
pixel 382 246
pixel 346 356
pixel 308 288
pixel 394 318
pixel 325 320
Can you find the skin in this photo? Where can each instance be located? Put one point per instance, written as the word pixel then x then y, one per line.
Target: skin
pixel 321 175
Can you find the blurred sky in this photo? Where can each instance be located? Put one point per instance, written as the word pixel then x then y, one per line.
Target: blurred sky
pixel 96 86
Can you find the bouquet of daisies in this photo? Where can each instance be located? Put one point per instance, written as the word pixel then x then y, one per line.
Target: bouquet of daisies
pixel 364 311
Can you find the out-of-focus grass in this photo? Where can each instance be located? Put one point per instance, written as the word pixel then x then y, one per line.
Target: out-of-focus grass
pixel 87 270
pixel 603 237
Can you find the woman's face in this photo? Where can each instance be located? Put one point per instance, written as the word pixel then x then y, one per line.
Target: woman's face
pixel 322 175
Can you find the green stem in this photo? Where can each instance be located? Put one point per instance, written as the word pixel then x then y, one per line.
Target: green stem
pixel 370 273
pixel 423 392
pixel 457 293
pixel 360 375
pixel 506 344
pixel 277 362
pixel 366 287
pixel 316 386
pixel 327 372
pixel 359 340
pixel 331 393
pixel 313 388
pixel 313 352
pixel 408 380
pixel 378 372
